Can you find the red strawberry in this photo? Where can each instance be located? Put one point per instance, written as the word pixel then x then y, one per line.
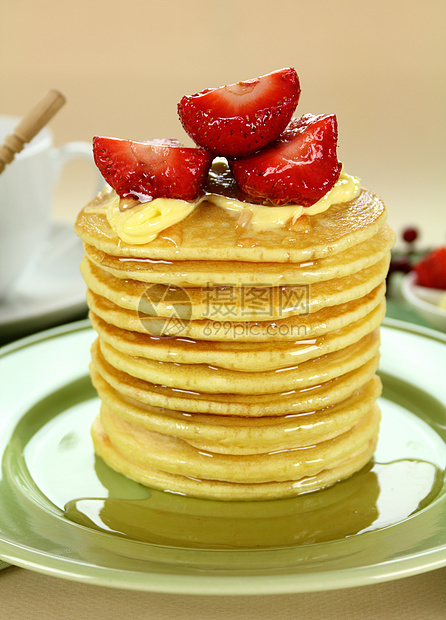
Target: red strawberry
pixel 299 167
pixel 238 119
pixel 155 169
pixel 431 270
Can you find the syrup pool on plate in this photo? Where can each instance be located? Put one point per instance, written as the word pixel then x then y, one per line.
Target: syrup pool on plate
pixel 379 495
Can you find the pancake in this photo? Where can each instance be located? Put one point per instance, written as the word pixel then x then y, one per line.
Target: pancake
pixel 206 378
pixel 303 326
pixel 211 233
pixel 174 455
pixel 220 490
pixel 233 303
pixel 241 435
pixel 291 401
pixel 235 355
pixel 232 273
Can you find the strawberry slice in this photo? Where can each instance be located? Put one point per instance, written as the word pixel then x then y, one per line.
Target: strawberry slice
pixel 239 119
pixel 155 169
pixel 300 167
pixel 431 270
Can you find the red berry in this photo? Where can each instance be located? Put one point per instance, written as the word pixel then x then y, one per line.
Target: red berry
pixel 431 270
pixel 156 169
pixel 301 166
pixel 410 235
pixel 401 264
pixel 239 119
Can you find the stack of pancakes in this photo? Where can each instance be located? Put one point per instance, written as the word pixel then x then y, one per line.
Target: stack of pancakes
pixel 238 364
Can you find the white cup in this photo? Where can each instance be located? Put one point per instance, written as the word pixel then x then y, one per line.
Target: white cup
pixel 26 198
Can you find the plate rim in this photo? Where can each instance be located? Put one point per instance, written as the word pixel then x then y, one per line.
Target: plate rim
pixel 94 574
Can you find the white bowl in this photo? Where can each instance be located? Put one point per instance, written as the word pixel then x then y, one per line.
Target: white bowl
pixel 425 301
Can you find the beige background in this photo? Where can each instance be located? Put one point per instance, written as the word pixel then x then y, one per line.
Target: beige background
pixel 379 65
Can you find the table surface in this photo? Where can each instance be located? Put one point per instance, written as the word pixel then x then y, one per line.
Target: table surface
pixel 28 594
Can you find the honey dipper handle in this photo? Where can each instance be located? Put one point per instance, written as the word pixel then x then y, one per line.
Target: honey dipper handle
pixel 30 125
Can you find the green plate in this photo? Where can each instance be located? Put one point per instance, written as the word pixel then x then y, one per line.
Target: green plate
pixel 66 514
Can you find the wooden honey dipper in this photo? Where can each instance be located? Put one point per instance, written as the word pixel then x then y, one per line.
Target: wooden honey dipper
pixel 30 125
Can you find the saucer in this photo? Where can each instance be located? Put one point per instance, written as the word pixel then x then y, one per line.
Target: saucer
pixel 51 291
pixel 425 301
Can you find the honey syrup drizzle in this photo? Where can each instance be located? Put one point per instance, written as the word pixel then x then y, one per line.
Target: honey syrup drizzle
pixel 381 494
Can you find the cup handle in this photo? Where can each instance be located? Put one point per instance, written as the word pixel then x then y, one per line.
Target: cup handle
pixel 76 150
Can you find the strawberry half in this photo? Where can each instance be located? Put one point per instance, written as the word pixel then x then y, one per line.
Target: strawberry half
pixel 431 270
pixel 156 169
pixel 300 167
pixel 239 119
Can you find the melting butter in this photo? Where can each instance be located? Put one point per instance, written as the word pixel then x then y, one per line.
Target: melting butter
pixel 142 223
pixel 268 217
